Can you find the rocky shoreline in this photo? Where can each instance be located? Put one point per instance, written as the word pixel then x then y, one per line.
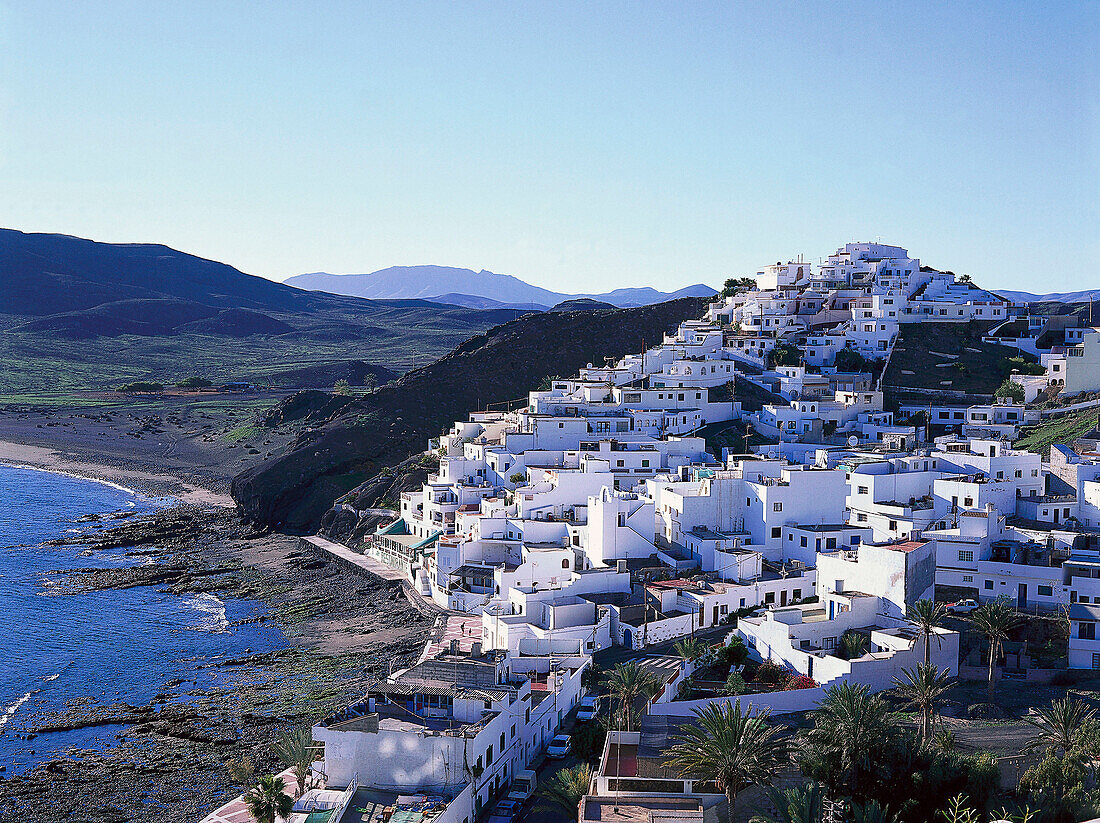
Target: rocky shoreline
pixel 169 761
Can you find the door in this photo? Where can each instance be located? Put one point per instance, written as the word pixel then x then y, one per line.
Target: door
pixel 1021 596
pixel 714 620
pixel 783 598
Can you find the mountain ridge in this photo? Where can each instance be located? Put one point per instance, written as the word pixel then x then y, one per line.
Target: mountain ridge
pixel 158 314
pixel 449 283
pixel 1082 296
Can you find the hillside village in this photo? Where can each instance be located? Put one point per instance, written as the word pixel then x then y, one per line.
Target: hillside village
pixel 593 522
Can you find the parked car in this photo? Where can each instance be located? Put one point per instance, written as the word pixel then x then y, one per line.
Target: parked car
pixel 523 786
pixel 589 707
pixel 962 606
pixel 560 746
pixel 504 812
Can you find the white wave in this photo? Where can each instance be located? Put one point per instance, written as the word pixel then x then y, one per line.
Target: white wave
pixel 214 611
pixel 51 677
pixel 75 475
pixel 14 707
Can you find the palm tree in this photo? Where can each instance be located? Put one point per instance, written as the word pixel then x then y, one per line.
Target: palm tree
pixel 295 749
pixel 731 748
pixel 921 687
pixel 800 804
pixel 995 620
pixel 627 682
pixel 566 788
pixel 852 645
pixel 927 616
pixel 848 726
pixel 267 800
pixel 690 648
pixel 1062 726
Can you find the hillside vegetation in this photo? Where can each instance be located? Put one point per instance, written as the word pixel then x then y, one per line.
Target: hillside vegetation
pixel 948 358
pixel 1064 428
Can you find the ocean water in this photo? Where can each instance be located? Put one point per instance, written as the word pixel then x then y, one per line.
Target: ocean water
pixel 111 646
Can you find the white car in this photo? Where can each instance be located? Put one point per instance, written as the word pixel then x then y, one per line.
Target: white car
pixel 962 606
pixel 559 746
pixel 589 707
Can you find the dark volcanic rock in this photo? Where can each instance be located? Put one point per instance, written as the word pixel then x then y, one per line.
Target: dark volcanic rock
pixel 294 490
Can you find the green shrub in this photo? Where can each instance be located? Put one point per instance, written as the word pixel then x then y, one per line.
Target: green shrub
pixel 1011 390
pixel 735 684
pixel 849 360
pixel 139 387
pixel 194 383
pixel 736 653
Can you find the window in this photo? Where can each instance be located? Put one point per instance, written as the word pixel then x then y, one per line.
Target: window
pixel 776 530
pixel 989 585
pixel 1086 631
pixel 966 556
pixel 861 518
pixel 565 563
pixel 893 525
pixel 778 507
pixel 1046 591
pixel 861 490
pixel 968 578
pixel 802 542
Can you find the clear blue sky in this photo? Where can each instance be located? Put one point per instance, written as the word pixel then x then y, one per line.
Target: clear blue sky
pixel 581 146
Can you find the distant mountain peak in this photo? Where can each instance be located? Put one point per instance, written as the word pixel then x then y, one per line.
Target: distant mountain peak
pixel 467 287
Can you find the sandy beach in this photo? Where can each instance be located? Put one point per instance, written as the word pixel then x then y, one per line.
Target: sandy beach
pixel 40 457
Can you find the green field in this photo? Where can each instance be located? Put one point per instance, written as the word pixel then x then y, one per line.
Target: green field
pixel 39 365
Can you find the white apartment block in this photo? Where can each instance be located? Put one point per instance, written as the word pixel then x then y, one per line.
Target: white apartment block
pixel 460 724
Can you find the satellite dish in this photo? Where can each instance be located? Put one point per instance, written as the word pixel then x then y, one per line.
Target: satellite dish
pixel 853 440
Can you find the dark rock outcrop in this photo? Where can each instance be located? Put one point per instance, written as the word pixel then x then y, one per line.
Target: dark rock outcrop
pixel 294 490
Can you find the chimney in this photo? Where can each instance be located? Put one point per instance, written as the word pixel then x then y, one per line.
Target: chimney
pixel 475 649
pixel 620 566
pixel 454 646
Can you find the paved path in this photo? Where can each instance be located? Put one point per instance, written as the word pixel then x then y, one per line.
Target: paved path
pixel 361 560
pixel 235 811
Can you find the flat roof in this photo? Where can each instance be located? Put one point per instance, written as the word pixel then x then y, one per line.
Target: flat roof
pixel 908 546
pixel 1079 611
